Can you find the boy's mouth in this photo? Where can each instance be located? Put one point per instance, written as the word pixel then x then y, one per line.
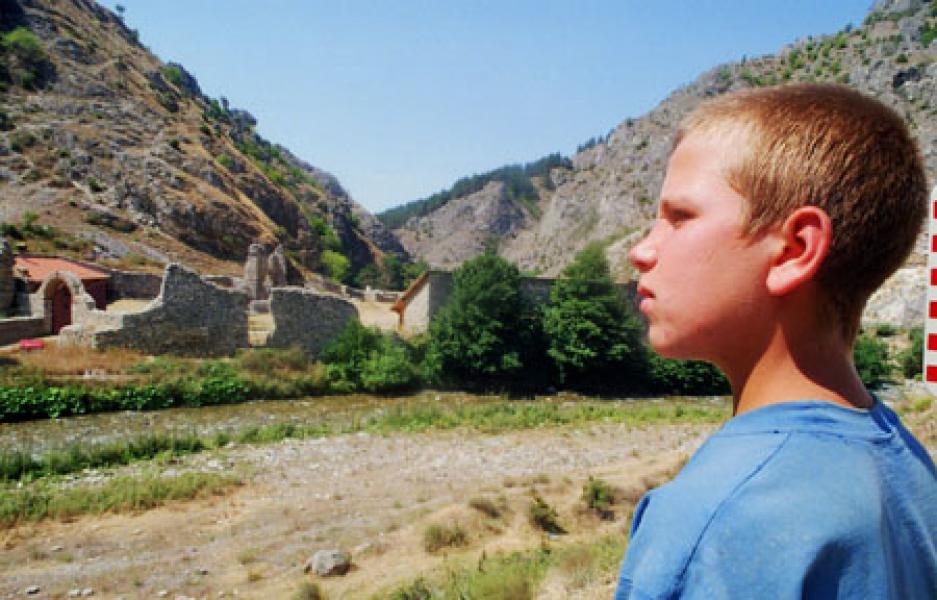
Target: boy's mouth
pixel 645 295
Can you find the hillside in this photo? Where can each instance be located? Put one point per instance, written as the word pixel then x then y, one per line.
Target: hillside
pixel 110 154
pixel 609 193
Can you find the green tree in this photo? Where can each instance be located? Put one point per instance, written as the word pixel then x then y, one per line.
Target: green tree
pixel 870 355
pixel 336 264
pixel 486 334
pixel 594 339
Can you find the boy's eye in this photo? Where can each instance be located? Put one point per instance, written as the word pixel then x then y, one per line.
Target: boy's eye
pixel 678 215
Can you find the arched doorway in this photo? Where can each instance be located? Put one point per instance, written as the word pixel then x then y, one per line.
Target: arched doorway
pixel 61 293
pixel 61 307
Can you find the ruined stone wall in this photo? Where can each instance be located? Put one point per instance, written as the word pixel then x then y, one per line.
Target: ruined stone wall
pixel 190 317
pixel 128 284
pixel 15 329
pixel 7 285
pixel 307 319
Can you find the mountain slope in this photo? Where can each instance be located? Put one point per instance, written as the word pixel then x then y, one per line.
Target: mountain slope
pixel 128 161
pixel 610 192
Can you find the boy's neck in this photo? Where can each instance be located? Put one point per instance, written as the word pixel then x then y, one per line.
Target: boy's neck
pixel 820 369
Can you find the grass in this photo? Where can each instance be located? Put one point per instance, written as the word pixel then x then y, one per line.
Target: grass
pixel 543 516
pixel 438 536
pixel 308 591
pixel 598 496
pixel 123 494
pixel 492 417
pixel 518 575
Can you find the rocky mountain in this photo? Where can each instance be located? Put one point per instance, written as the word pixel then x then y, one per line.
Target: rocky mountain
pixel 609 193
pixel 108 153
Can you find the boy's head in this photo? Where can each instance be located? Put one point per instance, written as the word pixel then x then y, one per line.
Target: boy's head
pixel 830 147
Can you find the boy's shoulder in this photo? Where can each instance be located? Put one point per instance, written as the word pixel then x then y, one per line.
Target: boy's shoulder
pixel 787 481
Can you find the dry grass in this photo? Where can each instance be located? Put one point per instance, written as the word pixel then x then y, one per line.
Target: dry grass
pixel 56 360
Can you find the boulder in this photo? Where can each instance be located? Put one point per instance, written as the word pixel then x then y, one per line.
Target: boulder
pixel 328 563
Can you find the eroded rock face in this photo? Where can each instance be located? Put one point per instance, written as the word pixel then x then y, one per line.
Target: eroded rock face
pixel 611 192
pixel 307 319
pixel 900 301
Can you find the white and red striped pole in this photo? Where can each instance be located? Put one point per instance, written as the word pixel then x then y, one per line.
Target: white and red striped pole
pixel 930 321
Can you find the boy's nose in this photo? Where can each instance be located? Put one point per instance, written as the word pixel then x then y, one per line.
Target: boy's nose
pixel 643 255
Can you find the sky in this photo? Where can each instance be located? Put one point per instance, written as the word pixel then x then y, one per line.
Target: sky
pixel 399 98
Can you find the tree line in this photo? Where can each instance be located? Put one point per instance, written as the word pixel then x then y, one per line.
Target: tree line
pixel 516 177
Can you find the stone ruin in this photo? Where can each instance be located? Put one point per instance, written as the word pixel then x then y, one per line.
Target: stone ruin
pixel 194 317
pixel 7 284
pixel 255 273
pixel 190 317
pixel 263 272
pixel 307 319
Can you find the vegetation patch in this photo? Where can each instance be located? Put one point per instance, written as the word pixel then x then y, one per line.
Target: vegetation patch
pixel 438 536
pixel 123 494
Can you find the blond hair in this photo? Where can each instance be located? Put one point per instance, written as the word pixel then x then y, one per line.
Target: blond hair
pixel 834 148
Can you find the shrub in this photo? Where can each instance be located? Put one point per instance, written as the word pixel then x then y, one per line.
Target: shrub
pixel 418 590
pixel 225 161
pixel 173 75
pixel 599 497
pixel 678 377
pixel 363 358
pixel 543 516
pixel 911 360
pixel 437 536
pixel 20 140
pixel 870 355
pixel 308 591
pixel 485 506
pixel 336 265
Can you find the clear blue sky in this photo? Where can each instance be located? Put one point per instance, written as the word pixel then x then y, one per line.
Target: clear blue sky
pixel 399 98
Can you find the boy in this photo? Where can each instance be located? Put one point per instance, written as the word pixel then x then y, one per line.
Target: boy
pixel 782 210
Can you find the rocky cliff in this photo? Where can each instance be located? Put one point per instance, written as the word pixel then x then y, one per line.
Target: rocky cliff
pixel 109 153
pixel 610 192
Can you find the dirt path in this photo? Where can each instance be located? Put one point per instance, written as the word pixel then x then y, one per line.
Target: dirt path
pixel 368 494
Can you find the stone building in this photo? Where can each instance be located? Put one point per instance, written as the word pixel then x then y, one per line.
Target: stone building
pixel 430 292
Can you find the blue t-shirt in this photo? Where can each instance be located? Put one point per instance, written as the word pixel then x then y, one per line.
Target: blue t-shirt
pixel 793 500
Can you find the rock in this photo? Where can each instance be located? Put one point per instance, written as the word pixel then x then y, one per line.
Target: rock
pixel 75 593
pixel 32 590
pixel 87 592
pixel 328 563
pixel 162 593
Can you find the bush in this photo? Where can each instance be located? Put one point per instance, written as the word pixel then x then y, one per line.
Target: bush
pixel 686 378
pixel 911 360
pixel 29 54
pixel 599 497
pixel 308 591
pixel 543 516
pixel 436 537
pixel 363 358
pixel 870 355
pixel 336 265
pixel 485 506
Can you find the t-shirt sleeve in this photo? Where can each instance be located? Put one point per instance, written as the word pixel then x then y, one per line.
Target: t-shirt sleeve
pixel 670 522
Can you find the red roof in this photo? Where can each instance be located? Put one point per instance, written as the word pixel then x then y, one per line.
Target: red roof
pixel 38 267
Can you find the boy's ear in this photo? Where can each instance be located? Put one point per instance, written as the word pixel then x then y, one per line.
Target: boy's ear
pixel 804 241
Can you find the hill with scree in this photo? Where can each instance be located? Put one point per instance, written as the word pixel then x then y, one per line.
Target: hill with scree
pixel 607 191
pixel 109 154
